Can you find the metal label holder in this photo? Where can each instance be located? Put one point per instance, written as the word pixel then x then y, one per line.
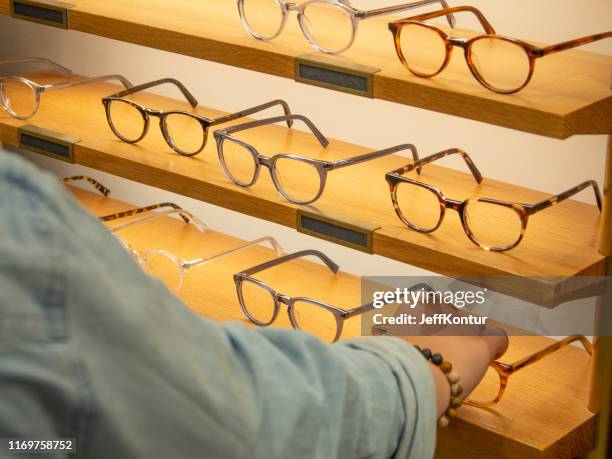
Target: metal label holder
pixel 338 229
pixel 48 143
pixel 48 12
pixel 335 74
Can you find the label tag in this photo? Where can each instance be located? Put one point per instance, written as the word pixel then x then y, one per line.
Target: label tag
pixel 335 74
pixel 49 143
pixel 338 229
pixel 48 12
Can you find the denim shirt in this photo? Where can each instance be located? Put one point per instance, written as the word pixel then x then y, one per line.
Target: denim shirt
pixel 92 348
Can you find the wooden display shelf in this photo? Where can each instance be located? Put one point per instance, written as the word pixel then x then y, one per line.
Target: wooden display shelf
pixel 560 241
pixel 569 94
pixel 556 388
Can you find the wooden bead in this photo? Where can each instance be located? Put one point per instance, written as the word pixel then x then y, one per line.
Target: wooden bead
pixel 453 377
pixel 452 412
pixel 455 402
pixel 443 421
pixel 456 390
pixel 426 353
pixel 446 367
pixel 436 359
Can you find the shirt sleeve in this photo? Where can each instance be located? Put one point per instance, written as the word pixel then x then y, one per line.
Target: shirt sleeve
pixel 93 349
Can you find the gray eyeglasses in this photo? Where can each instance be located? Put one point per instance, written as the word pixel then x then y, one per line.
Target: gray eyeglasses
pixel 261 303
pixel 20 96
pixel 169 267
pixel 329 26
pixel 298 179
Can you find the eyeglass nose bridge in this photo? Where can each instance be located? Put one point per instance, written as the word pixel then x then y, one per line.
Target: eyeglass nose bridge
pixel 457 41
pixel 292 7
pixel 453 204
pixel 283 299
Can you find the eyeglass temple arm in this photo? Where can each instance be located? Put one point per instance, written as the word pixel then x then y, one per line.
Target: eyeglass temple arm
pixel 71 84
pixel 258 108
pixel 97 185
pixel 546 203
pixel 273 242
pixel 39 60
pixel 573 43
pixel 141 87
pixel 187 217
pixel 486 25
pixel 443 154
pixel 550 349
pixel 140 210
pixel 368 307
pixel 284 259
pixel 408 6
pixel 377 154
pixel 253 124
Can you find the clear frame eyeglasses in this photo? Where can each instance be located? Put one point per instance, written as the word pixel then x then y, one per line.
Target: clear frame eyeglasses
pixel 260 303
pixel 170 268
pixel 20 96
pixel 329 26
pixel 298 179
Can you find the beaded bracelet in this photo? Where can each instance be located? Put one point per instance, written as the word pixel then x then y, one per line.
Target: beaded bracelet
pixel 453 379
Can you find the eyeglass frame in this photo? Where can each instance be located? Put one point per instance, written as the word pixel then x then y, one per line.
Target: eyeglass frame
pixel 505 370
pixel 355 15
pixel 147 113
pixel 183 265
pixel 93 182
pixel 533 52
pixel 39 89
pixel 524 211
pixel 340 314
pixel 322 166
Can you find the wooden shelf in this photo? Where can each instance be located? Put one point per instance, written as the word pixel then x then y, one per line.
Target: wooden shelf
pixel 569 94
pixel 520 426
pixel 560 241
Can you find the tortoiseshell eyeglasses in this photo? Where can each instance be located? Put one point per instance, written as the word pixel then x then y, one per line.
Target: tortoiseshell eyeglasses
pixel 20 96
pixel 502 64
pixel 489 223
pixel 261 303
pixel 170 268
pixel 493 386
pixel 185 132
pixel 298 179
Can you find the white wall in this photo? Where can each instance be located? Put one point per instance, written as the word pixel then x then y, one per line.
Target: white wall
pixel 553 165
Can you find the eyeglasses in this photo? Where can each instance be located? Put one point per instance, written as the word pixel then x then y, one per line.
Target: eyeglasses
pixel 97 185
pixel 492 387
pixel 261 303
pixel 490 224
pixel 185 132
pixel 330 26
pixel 20 96
pixel 502 64
pixel 170 268
pixel 298 179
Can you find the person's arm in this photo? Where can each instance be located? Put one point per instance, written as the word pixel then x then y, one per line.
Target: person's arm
pixel 103 353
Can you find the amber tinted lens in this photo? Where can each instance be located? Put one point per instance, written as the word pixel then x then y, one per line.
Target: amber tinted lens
pixel 315 319
pixel 487 390
pixel 328 25
pixel 258 302
pixel 493 225
pixel 299 180
pixel 503 65
pixel 423 49
pixel 164 267
pixel 264 17
pixel 418 205
pixel 186 133
pixel 18 98
pixel 126 120
pixel 238 162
